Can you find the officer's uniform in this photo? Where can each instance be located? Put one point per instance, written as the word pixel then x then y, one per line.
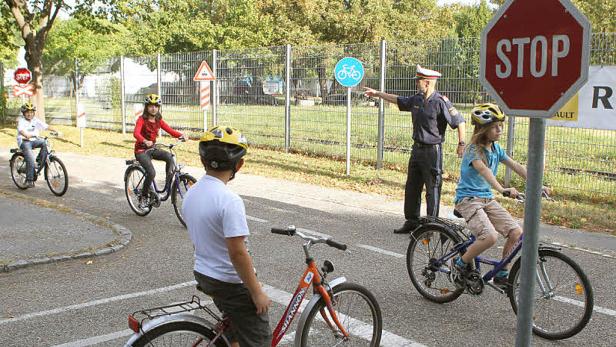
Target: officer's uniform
pixel 430 120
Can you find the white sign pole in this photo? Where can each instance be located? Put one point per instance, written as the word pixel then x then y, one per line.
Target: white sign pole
pixel 348 133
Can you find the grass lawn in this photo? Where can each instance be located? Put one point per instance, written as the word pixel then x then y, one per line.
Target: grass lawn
pixel 573 209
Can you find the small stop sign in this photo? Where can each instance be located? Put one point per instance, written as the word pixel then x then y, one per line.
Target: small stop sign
pixel 22 75
pixel 534 56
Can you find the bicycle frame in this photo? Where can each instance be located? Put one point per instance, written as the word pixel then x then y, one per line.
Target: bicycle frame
pixel 173 182
pixel 312 277
pixel 497 264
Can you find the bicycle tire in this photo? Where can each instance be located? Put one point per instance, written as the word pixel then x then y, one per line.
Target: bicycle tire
pixel 581 288
pixel 133 191
pixel 312 331
pixel 17 162
pixel 57 192
pixel 186 181
pixel 169 330
pixel 445 290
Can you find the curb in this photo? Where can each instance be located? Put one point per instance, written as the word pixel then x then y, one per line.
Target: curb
pixel 123 235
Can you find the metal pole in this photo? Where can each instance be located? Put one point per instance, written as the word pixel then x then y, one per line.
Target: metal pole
pixel 214 91
pixel 287 101
pixel 158 78
pixel 381 126
pixel 76 89
pixel 510 144
pixel 348 133
pixel 532 214
pixel 122 96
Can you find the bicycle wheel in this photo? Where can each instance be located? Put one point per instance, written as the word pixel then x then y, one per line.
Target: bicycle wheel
pixel 429 278
pixel 56 176
pixel 179 192
pixel 178 334
pixel 133 186
pixel 563 298
pixel 18 170
pixel 358 312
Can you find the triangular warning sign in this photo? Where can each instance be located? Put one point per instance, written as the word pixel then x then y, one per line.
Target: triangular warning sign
pixel 204 73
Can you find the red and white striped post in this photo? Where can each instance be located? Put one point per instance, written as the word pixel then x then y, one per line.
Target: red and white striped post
pixel 204 100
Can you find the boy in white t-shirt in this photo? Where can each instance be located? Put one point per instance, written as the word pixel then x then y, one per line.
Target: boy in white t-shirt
pixel 28 130
pixel 216 221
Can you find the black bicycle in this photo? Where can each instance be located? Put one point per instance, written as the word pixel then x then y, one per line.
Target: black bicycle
pixel 176 188
pixel 53 168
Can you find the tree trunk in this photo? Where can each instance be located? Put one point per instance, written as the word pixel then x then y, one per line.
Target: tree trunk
pixel 35 64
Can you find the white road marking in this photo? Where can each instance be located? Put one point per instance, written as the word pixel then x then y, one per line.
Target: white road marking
pixel 599 309
pixel 97 302
pixel 97 339
pixel 312 232
pixel 382 251
pixel 255 219
pixel 387 339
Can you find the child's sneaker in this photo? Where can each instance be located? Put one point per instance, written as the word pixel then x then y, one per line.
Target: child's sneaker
pixel 501 278
pixel 458 271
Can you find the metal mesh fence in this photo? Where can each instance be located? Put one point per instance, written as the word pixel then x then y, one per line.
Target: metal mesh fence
pixel 242 100
pixel 250 94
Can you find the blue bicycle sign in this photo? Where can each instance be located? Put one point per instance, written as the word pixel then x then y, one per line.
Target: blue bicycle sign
pixel 349 72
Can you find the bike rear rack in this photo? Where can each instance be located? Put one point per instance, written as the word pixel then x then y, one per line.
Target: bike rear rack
pixel 451 225
pixel 138 318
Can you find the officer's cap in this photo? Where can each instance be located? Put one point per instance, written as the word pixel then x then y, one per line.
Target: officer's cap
pixel 423 73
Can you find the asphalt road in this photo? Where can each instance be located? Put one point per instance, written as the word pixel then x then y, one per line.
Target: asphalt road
pixel 78 303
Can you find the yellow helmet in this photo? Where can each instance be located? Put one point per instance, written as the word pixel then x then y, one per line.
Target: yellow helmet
pixel 153 99
pixel 485 114
pixel 221 147
pixel 28 106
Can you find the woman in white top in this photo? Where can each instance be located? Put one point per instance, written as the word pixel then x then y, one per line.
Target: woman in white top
pixel 28 128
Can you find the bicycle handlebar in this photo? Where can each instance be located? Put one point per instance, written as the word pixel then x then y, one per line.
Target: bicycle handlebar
pixel 170 145
pixel 292 231
pixel 522 198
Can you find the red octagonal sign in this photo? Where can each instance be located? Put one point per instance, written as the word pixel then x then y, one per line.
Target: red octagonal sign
pixel 22 75
pixel 534 56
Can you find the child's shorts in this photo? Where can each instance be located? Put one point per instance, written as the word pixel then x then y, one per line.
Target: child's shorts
pixel 486 216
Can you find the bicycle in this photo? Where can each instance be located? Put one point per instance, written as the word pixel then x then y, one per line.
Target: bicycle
pixel 176 188
pixel 53 169
pixel 331 299
pixel 441 240
pixel 348 72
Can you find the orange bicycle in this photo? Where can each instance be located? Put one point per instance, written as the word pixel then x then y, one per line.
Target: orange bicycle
pixel 348 313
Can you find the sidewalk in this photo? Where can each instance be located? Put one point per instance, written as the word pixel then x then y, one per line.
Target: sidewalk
pixel 90 170
pixel 66 234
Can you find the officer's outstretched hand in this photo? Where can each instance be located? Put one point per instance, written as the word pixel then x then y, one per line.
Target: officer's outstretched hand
pixel 371 93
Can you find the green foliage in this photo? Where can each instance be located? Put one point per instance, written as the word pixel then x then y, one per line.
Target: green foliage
pixel 8 38
pixel 71 40
pixel 471 20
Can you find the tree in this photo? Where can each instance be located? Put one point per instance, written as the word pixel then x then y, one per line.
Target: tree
pixel 91 43
pixel 34 19
pixel 470 20
pixel 8 47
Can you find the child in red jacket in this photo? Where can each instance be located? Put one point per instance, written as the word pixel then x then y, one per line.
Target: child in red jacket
pixel 146 131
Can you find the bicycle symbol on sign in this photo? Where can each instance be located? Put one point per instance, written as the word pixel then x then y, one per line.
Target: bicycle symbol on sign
pixel 348 72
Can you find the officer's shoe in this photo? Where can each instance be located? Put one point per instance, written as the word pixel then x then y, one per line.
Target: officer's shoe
pixel 407 227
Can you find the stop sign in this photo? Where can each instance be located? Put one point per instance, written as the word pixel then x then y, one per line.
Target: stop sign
pixel 534 55
pixel 22 75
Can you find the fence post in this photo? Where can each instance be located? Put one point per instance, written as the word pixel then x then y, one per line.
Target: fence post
pixel 2 98
pixel 214 92
pixel 158 76
pixel 76 87
pixel 122 96
pixel 381 126
pixel 510 144
pixel 287 101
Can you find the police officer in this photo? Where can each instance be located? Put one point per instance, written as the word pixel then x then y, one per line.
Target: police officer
pixel 431 113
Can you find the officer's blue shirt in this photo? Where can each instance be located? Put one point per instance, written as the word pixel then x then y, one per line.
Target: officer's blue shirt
pixel 471 183
pixel 430 117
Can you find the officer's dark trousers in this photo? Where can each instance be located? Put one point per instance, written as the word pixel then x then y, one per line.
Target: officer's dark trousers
pixel 425 169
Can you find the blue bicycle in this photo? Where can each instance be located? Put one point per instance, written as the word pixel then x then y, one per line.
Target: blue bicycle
pixel 176 188
pixel 564 299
